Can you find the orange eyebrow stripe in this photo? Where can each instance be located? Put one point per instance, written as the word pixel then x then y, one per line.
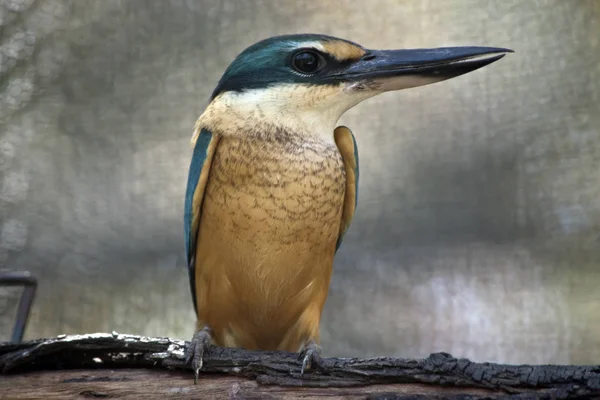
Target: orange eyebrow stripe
pixel 343 51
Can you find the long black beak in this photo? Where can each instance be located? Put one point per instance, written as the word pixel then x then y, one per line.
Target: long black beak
pixel 428 65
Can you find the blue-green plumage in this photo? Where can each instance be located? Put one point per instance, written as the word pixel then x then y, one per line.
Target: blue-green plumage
pixel 196 165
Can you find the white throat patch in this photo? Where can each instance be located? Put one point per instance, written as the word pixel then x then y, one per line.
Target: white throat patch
pixel 311 109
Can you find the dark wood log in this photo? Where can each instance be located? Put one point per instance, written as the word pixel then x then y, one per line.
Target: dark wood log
pixel 127 366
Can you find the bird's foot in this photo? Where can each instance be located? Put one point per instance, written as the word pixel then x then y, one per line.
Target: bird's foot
pixel 310 356
pixel 195 351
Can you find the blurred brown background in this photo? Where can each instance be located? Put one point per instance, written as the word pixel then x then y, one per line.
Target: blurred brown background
pixel 478 226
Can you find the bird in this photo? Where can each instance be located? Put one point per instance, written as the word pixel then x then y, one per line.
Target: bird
pixel 273 183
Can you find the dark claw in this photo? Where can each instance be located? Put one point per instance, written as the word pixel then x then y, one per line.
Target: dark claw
pixel 310 355
pixel 195 351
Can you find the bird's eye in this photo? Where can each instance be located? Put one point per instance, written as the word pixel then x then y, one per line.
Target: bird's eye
pixel 306 62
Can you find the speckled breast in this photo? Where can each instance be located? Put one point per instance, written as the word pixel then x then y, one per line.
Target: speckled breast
pixel 270 221
pixel 277 189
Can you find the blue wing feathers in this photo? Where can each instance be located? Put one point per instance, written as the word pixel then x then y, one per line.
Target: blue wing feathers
pixel 196 166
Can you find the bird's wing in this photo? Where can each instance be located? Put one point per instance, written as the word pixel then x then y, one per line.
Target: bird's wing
pixel 204 150
pixel 347 146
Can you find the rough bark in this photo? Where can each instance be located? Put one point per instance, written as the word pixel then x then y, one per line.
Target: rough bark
pixel 92 361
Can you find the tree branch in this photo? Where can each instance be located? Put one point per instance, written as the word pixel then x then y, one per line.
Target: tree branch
pixel 440 373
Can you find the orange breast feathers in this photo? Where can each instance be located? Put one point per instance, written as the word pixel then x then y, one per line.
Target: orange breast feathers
pixel 270 221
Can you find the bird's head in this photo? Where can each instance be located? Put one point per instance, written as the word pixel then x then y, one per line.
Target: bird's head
pixel 306 82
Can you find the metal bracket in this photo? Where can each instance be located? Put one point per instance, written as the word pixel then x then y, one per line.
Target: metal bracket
pixel 29 282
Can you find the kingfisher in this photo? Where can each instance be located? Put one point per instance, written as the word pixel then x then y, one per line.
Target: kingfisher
pixel 273 183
